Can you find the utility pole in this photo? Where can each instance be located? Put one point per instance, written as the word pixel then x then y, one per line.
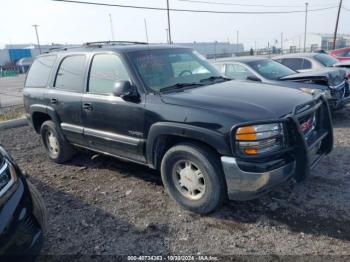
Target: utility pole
pixel 282 43
pixel 237 37
pixel 336 25
pixel 306 10
pixel 169 30
pixel 167 35
pixel 37 37
pixel 146 29
pixel 111 24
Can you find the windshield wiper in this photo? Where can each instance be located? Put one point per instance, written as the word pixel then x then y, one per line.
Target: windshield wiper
pixel 179 86
pixel 214 78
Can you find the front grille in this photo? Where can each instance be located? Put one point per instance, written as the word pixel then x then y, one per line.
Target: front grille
pixel 308 124
pixel 338 94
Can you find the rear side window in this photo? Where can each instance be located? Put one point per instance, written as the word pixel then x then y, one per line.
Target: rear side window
pixel 70 75
pixel 39 73
pixel 106 70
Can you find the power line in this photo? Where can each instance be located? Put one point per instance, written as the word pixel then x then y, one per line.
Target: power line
pixel 193 10
pixel 247 5
pixel 346 9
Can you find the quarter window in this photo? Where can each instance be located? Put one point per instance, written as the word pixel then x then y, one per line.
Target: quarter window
pixel 70 75
pixel 106 70
pixel 39 72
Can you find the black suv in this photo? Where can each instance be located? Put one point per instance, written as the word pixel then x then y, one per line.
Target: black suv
pixel 168 108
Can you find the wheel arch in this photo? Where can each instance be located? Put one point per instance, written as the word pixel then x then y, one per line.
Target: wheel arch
pixel 164 135
pixel 41 113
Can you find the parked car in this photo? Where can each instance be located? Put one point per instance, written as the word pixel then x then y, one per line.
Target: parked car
pixel 341 54
pixel 331 81
pixel 305 62
pixel 168 108
pixel 22 212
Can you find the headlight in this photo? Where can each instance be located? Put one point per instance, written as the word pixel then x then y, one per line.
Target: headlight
pixel 259 139
pixel 311 91
pixel 7 176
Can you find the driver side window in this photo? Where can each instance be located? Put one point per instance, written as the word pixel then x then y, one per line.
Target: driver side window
pixel 237 72
pixel 106 70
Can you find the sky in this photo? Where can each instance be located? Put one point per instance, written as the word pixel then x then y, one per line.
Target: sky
pixel 71 23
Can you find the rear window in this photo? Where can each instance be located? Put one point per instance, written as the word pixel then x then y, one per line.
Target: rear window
pixel 70 75
pixel 326 60
pixel 39 73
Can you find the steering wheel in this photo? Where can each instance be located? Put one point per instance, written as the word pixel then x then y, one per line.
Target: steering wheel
pixel 185 72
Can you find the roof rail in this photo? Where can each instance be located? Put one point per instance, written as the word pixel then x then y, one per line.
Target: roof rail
pixel 64 48
pixel 101 43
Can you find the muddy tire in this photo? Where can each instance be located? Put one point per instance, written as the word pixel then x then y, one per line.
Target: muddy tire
pixel 193 177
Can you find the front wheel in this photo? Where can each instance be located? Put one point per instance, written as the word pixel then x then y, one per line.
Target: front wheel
pixel 193 177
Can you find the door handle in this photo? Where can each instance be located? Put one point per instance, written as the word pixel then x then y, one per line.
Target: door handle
pixel 87 106
pixel 54 100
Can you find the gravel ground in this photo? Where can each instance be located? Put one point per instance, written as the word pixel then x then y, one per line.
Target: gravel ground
pixel 99 205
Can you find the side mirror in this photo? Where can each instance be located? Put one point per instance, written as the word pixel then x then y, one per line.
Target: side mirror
pixel 254 78
pixel 122 89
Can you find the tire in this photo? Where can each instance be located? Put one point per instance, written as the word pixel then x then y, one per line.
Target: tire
pixel 62 151
pixel 203 167
pixel 39 208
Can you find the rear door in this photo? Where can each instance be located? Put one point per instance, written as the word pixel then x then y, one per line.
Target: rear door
pixel 66 93
pixel 111 124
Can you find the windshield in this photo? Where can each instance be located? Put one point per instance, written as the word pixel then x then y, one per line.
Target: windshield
pixel 167 67
pixel 270 69
pixel 326 60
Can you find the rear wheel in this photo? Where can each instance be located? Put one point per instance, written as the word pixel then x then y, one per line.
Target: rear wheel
pixel 57 148
pixel 193 177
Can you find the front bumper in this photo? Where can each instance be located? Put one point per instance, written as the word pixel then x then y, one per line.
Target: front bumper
pixel 20 233
pixel 243 185
pixel 250 178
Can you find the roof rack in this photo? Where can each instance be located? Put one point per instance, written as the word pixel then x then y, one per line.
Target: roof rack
pixel 65 48
pixel 101 43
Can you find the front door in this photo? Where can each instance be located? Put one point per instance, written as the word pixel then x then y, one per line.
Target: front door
pixel 111 124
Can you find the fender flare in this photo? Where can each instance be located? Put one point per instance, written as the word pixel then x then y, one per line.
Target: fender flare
pixel 46 110
pixel 214 139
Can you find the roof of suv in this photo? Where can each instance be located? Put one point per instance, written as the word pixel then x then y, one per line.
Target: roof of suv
pixel 122 46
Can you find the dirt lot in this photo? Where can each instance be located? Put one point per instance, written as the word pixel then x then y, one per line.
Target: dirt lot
pixel 99 205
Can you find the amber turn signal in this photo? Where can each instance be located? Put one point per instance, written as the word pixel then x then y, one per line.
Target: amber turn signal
pixel 246 133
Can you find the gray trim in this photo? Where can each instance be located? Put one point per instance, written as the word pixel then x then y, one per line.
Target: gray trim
pixel 72 128
pixel 12 180
pixel 112 155
pixel 102 134
pixel 112 136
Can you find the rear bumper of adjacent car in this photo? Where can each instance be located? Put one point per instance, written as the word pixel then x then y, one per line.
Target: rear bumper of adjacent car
pixel 20 233
pixel 247 179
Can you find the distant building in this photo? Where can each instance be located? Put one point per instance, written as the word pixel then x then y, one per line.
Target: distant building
pixel 315 42
pixel 12 54
pixel 215 49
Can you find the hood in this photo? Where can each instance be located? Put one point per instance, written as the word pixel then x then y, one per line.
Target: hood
pixel 328 76
pixel 246 101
